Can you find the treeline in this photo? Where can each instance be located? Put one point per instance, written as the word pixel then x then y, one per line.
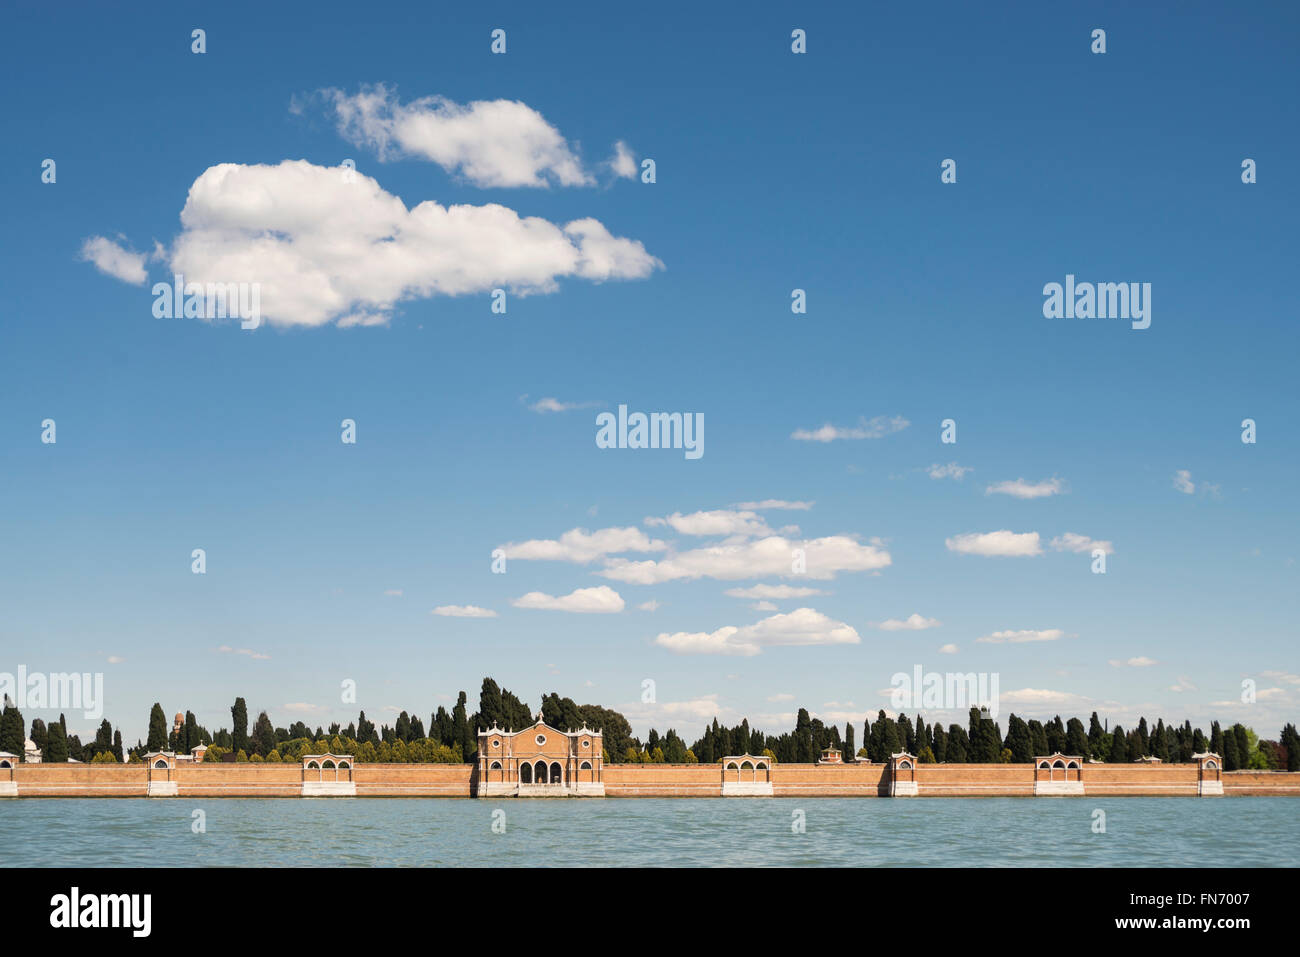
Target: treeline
pixel 981 741
pixel 452 737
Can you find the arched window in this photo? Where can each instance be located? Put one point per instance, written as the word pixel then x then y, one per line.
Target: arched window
pixel 343 765
pixel 746 766
pixel 557 775
pixel 539 772
pixel 525 774
pixel 585 766
pixel 313 766
pixel 328 765
pixel 160 763
pixel 496 766
pixel 1211 764
pixel 904 765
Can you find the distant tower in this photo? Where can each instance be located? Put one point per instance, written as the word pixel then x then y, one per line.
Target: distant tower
pixel 176 725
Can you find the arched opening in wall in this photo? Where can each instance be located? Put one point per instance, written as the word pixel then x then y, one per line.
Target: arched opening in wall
pixel 1072 766
pixel 539 772
pixel 746 766
pixel 586 765
pixel 160 763
pixel 313 766
pixel 525 774
pixel 761 766
pixel 1057 764
pixel 1211 764
pixel 905 765
pixel 557 775
pixel 4 763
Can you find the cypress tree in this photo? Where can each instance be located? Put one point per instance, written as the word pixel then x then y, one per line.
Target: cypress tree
pixel 117 747
pixel 1159 741
pixel 1290 740
pixel 263 738
pixel 1216 739
pixel 939 743
pixel 1243 745
pixel 11 730
pixel 239 726
pixel 803 738
pixel 1231 760
pixel 1118 747
pixel 1038 739
pixel 1199 744
pixel 191 733
pixel 157 728
pixel 40 734
pixel 1076 741
pixel 849 751
pixel 1144 738
pixel 1018 740
pixel 56 745
pixel 958 745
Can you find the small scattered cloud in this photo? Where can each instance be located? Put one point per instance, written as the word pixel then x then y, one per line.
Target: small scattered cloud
pixel 114 259
pixel 802 627
pixel 952 470
pixel 623 162
pixel 949 649
pixel 773 591
pixel 581 546
pixel 463 611
pixel 115 659
pixel 247 652
pixel 774 503
pixel 1138 662
pixel 1023 489
pixel 552 404
pixel 650 605
pixel 999 544
pixel 1071 542
pixel 393 593
pixel 601 600
pixel 912 622
pixel 1021 637
pixel 1183 482
pixel 875 428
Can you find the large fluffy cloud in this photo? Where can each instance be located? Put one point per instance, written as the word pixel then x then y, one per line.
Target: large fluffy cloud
pixel 804 626
pixel 329 244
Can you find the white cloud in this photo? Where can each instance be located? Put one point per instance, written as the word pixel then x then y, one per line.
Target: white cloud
pixel 549 404
pixel 1041 698
pixel 1132 662
pixel 247 652
pixel 1183 684
pixel 781 696
pixel 330 245
pixel 1002 543
pixel 393 593
pixel 1183 482
pixel 651 605
pixel 875 428
pixel 303 707
pixel 115 260
pixel 773 591
pixel 623 162
pixel 912 622
pixel 1022 489
pixel 764 606
pixel 825 557
pixel 581 546
pixel 948 649
pixel 463 611
pixel 715 523
pixel 1070 542
pixel 1020 637
pixel 601 600
pixel 115 659
pixel 774 503
pixel 951 470
pixel 491 143
pixel 802 627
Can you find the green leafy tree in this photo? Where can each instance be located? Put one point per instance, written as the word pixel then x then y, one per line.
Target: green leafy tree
pixel 263 739
pixel 1290 742
pixel 1076 740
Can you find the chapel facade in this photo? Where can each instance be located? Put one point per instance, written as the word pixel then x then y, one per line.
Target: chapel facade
pixel 540 761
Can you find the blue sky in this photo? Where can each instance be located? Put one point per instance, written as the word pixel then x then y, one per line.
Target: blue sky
pixel 774 171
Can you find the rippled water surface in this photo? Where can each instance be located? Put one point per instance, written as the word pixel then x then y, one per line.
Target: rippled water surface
pixel 1246 832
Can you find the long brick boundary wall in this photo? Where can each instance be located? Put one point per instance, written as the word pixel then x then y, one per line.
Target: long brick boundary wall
pixel 643 780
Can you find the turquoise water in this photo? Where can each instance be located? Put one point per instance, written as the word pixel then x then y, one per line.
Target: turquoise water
pixel 1158 832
